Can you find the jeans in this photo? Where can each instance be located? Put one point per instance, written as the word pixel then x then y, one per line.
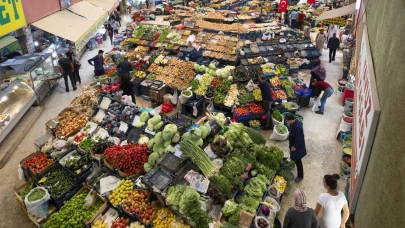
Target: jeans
pixel 326 94
pixel 300 168
pixel 293 23
pixel 267 110
pixel 332 54
pixel 111 39
pixel 72 79
pixel 76 73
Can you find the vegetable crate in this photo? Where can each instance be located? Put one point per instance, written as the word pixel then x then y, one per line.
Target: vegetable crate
pixel 98 197
pixel 239 118
pixel 18 190
pixel 187 108
pixel 28 173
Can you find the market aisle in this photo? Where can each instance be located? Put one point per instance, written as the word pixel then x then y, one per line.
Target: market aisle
pixel 11 214
pixel 323 149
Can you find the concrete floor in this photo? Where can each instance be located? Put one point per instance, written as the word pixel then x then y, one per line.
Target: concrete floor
pixel 324 151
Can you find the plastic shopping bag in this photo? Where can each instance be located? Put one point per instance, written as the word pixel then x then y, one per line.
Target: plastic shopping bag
pixel 38 207
pixel 277 135
pixel 210 107
pixel 316 105
pixel 174 97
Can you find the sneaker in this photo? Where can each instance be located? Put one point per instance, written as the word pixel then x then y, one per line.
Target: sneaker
pixel 266 128
pixel 75 88
pixel 330 61
pixel 319 107
pixel 298 179
pixel 319 112
pixel 67 91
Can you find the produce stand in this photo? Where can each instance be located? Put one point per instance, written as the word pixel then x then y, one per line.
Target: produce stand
pixel 195 149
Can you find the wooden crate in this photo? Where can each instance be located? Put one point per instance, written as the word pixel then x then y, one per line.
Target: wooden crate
pixel 102 208
pixel 37 176
pixel 17 191
pixel 40 221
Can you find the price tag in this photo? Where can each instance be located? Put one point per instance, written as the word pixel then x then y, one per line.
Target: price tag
pixel 284 101
pixel 163 215
pixel 43 179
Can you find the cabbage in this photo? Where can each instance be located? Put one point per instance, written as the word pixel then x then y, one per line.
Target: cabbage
pixel 144 116
pixel 186 135
pixel 155 120
pixel 195 133
pixel 167 143
pixel 143 140
pixel 167 135
pixel 139 124
pixel 150 126
pixel 158 126
pixel 212 66
pixel 158 138
pixel 152 158
pixel 176 138
pixel 199 142
pixel 196 67
pixel 151 143
pixel 170 149
pixel 147 167
pixel 204 132
pixel 171 127
pixel 158 148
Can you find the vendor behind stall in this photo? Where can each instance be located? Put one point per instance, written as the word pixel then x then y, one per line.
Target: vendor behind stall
pixel 264 87
pixel 124 67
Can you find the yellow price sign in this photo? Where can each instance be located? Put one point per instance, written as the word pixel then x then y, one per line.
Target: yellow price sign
pixel 11 16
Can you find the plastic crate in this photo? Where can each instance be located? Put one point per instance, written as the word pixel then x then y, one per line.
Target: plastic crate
pixel 28 173
pixel 242 117
pixel 188 107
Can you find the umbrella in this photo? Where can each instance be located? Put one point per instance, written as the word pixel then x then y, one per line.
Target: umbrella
pixel 320 70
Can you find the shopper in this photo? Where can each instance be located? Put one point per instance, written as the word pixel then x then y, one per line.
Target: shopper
pixel 297 145
pixel 331 30
pixel 98 63
pixel 110 31
pixel 294 16
pixel 264 87
pixel 333 45
pixel 320 40
pixel 318 87
pixel 300 19
pixel 300 215
pixel 124 67
pixel 66 66
pixel 118 19
pixel 76 64
pixel 127 87
pixel 114 25
pixel 318 73
pixel 330 204
pixel 307 32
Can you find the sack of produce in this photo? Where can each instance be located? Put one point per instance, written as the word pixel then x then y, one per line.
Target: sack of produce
pixel 280 133
pixel 277 118
pixel 36 202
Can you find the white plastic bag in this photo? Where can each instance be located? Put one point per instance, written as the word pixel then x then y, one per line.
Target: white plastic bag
pixel 174 97
pixel 277 136
pixel 39 207
pixel 316 105
pixel 275 122
pixel 210 107
pixel 156 111
pixel 249 86
pixel 60 144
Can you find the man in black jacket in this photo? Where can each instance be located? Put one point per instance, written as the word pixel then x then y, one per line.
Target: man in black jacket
pixel 124 67
pixel 333 44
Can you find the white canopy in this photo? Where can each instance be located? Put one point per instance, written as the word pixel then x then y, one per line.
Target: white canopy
pixel 345 10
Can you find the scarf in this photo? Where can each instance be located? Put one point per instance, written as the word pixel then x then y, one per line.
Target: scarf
pixel 300 201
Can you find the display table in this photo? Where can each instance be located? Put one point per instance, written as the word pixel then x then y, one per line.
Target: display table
pixel 347 93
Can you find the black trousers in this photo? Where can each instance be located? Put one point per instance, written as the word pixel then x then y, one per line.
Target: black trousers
pixel 98 72
pixel 77 74
pixel 72 80
pixel 300 168
pixel 332 54
pixel 267 111
pixel 111 39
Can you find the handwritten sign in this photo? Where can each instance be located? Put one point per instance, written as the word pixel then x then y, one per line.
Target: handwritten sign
pixel 11 16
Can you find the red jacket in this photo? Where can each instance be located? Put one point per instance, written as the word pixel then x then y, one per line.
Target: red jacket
pixel 301 17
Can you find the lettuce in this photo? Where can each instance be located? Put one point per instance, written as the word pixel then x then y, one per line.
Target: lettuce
pixel 230 207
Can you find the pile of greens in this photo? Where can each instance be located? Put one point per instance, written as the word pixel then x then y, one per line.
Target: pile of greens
pixel 186 200
pixel 254 192
pixel 277 115
pixel 231 210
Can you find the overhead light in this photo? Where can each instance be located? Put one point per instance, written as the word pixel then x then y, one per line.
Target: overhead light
pixel 358 3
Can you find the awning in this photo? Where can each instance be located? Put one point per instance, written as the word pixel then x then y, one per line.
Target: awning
pixel 68 25
pixel 8 44
pixel 89 11
pixel 345 10
pixel 108 5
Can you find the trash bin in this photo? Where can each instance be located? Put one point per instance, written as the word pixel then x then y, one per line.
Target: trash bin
pixel 99 39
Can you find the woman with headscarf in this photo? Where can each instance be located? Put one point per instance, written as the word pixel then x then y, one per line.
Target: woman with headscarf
pixel 300 215
pixel 318 73
pixel 320 40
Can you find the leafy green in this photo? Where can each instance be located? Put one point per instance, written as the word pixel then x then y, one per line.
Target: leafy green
pixel 221 183
pixel 277 115
pixel 232 169
pixel 230 207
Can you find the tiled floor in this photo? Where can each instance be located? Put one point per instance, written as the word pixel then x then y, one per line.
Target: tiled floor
pixel 324 151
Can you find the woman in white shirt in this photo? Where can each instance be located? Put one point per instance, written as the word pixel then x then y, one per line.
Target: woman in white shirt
pixel 330 204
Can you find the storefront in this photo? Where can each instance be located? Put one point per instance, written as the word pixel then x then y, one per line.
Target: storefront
pixel 8 44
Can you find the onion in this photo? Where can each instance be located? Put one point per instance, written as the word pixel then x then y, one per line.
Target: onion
pixel 265 210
